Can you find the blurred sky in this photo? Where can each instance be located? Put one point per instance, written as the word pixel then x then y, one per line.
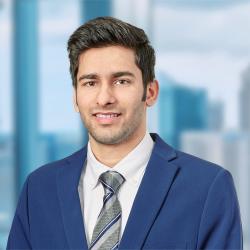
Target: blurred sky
pixel 200 43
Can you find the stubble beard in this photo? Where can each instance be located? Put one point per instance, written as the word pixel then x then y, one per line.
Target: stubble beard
pixel 112 136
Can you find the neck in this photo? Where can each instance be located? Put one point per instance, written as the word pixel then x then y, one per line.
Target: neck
pixel 110 155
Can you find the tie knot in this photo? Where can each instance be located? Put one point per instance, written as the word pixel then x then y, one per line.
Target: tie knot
pixel 111 181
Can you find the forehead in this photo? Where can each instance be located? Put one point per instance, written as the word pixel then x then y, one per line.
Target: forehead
pixel 110 58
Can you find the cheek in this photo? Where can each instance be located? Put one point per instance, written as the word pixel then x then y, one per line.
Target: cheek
pixel 135 106
pixel 81 104
pixel 128 96
pixel 84 99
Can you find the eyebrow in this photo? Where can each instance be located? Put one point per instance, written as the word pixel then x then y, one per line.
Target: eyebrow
pixel 123 73
pixel 114 75
pixel 88 76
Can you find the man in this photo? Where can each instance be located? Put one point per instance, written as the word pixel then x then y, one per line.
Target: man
pixel 125 188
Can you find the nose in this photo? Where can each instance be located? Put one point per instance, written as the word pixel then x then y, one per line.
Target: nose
pixel 105 95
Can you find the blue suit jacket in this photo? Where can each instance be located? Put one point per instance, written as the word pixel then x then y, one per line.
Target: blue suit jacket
pixel 182 203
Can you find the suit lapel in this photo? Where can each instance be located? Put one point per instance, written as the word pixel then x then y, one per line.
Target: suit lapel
pixel 152 192
pixel 157 180
pixel 67 183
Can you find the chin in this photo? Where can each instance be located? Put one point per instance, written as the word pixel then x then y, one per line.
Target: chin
pixel 110 138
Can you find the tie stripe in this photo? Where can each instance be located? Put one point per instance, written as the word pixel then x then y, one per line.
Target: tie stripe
pixel 106 198
pixel 107 241
pixel 109 225
pixel 107 229
pixel 115 246
pixel 111 210
pixel 106 186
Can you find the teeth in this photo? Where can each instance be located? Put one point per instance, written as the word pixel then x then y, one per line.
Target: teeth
pixel 106 116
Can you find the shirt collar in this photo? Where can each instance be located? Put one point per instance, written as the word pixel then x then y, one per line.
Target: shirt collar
pixel 131 166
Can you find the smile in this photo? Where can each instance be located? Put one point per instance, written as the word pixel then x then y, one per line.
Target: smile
pixel 107 118
pixel 107 115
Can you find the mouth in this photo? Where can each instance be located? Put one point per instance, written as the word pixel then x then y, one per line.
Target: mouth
pixel 106 117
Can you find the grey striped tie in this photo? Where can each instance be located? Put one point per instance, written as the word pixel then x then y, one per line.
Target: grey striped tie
pixel 107 229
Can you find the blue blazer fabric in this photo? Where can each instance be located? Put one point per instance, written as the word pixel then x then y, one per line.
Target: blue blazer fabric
pixel 183 202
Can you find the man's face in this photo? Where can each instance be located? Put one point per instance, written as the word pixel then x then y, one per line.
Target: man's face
pixel 109 94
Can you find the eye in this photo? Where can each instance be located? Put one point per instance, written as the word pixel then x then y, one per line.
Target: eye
pixel 122 82
pixel 89 84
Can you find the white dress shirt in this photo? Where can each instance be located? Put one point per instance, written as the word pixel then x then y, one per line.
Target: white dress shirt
pixel 132 167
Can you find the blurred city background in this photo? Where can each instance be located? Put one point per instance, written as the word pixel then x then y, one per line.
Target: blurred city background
pixel 203 66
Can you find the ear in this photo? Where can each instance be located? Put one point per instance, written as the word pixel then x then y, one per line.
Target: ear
pixel 75 100
pixel 152 93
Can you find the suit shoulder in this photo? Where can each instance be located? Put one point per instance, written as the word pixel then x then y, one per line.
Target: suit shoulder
pixel 195 161
pixel 189 165
pixel 199 169
pixel 200 176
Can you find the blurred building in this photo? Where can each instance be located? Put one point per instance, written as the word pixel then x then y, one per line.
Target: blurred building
pixel 232 151
pixel 215 115
pixel 93 9
pixel 25 91
pixel 7 191
pixel 1 5
pixel 180 108
pixel 55 146
pixel 244 101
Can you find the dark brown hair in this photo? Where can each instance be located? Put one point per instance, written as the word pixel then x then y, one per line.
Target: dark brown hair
pixel 105 31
